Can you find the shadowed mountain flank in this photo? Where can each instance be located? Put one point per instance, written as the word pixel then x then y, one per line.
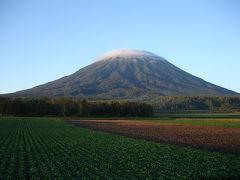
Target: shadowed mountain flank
pixel 126 74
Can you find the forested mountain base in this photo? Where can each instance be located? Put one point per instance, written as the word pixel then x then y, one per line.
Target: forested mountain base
pixel 196 103
pixel 72 107
pixel 65 106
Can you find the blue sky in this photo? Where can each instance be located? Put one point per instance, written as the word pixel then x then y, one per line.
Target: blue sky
pixel 41 41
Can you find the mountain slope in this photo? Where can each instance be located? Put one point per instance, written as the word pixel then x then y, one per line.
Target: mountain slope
pixel 126 74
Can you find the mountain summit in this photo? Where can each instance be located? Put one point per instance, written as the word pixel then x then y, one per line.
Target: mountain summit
pixel 129 54
pixel 126 74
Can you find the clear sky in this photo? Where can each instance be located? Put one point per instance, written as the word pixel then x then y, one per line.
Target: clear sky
pixel 43 40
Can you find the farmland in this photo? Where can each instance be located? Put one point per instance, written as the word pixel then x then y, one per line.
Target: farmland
pixel 199 115
pixel 216 122
pixel 48 148
pixel 217 139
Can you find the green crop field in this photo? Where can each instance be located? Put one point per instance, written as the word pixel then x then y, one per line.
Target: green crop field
pixel 49 148
pixel 230 123
pixel 198 115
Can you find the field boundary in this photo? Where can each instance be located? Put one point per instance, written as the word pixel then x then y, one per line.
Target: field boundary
pixel 215 139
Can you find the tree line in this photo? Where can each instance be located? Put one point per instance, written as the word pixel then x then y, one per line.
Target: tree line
pixel 66 107
pixel 205 103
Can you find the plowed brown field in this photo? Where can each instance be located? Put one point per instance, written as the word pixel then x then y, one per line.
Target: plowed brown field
pixel 218 139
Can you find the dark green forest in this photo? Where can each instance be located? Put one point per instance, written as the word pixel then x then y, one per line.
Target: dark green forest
pixel 198 103
pixel 69 107
pixel 66 107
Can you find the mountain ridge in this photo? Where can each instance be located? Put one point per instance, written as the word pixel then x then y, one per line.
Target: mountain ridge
pixel 126 74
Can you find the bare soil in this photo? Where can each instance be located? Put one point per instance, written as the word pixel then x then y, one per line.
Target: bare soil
pixel 216 139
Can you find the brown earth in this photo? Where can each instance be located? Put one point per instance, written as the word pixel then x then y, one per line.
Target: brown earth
pixel 217 139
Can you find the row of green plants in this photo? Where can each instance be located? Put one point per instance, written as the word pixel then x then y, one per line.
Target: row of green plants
pixel 228 123
pixel 72 107
pixel 49 148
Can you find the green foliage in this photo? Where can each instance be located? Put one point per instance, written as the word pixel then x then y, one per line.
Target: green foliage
pixel 48 148
pixel 189 103
pixel 64 106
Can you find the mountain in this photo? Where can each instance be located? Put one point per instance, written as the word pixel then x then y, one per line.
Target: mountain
pixel 126 74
